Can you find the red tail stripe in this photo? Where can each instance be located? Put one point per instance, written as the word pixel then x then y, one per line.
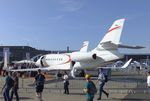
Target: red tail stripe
pixel 113 29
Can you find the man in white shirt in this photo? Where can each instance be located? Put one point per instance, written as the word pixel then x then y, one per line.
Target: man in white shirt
pixel 101 80
pixel 148 82
pixel 66 83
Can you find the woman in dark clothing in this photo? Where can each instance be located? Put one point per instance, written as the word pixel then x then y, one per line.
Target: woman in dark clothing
pixel 15 87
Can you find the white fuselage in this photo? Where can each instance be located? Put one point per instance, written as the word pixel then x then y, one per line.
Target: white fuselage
pixel 81 60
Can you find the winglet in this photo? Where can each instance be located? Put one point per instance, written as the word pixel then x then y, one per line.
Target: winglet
pixel 127 64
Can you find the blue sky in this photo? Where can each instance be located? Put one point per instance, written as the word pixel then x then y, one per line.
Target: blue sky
pixel 56 24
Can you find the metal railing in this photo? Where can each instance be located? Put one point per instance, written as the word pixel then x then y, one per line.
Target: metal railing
pixel 126 81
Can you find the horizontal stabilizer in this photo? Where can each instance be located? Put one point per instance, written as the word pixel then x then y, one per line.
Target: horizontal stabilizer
pixel 111 45
pixel 131 47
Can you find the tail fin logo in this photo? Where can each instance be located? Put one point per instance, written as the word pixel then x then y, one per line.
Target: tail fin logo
pixel 117 27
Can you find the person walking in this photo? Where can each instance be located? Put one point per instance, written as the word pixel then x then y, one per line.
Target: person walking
pixel 101 80
pixel 148 82
pixel 39 81
pixel 9 82
pixel 15 86
pixel 105 72
pixel 88 88
pixel 66 83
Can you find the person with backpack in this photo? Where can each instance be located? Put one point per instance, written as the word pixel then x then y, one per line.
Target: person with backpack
pixel 9 82
pixel 90 88
pixel 102 80
pixel 39 81
pixel 105 72
pixel 15 86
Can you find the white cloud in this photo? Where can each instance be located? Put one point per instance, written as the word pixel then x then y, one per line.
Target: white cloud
pixel 70 5
pixel 59 17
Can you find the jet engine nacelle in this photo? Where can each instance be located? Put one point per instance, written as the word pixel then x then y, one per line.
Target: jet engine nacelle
pixel 81 57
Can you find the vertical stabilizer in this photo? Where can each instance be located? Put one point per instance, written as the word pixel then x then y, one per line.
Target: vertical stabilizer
pixel 114 32
pixel 85 46
pixel 112 37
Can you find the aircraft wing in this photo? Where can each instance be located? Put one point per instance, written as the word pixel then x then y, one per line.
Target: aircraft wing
pixel 124 66
pixel 30 69
pixel 127 63
pixel 55 67
pixel 24 61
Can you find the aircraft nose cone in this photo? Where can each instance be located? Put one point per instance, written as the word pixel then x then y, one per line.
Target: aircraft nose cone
pixel 37 63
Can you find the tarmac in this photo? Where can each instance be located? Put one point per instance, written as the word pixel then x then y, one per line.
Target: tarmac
pixel 121 87
pixel 81 97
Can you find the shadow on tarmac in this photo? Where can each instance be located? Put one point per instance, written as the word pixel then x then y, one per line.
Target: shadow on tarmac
pixel 136 96
pixel 21 98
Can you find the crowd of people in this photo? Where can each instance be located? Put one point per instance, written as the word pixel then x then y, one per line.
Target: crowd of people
pixel 11 85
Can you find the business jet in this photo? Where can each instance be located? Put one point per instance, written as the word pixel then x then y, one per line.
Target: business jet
pixel 99 57
pixel 84 48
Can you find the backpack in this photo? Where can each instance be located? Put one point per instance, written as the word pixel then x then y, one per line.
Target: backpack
pixel 93 89
pixel 10 82
pixel 101 77
pixel 67 82
pixel 106 78
pixel 40 80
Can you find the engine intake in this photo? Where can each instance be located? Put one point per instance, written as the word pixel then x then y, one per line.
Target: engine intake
pixel 81 57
